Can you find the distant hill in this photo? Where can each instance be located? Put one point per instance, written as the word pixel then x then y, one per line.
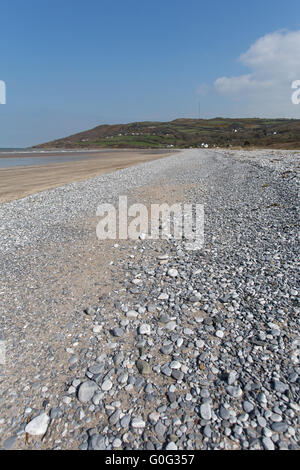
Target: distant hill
pixel 185 133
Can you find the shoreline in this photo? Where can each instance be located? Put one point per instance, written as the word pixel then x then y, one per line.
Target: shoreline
pixel 23 153
pixel 21 181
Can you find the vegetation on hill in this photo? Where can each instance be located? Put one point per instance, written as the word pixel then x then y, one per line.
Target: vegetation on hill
pixel 186 133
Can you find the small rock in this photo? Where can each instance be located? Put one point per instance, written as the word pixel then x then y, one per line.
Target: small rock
pixel 232 376
pixel 235 392
pixel 86 391
pixel 97 328
pixel 279 427
pixel 96 442
pixel 143 367
pixel 38 426
pixel 107 385
pixel 138 423
pixel 171 325
pixel 247 406
pixel 167 349
pixel 96 368
pixel 154 417
pixel 163 296
pixel 224 413
pixel 125 421
pixel 132 314
pixel 160 429
pixel 268 444
pixel 117 443
pixel 177 374
pixel 114 418
pixel 145 329
pixel 173 272
pixel 171 397
pixel 279 386
pixel 175 365
pixel 205 411
pixel 171 446
pixel 119 332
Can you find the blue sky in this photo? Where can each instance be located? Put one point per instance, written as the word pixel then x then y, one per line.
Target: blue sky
pixel 70 65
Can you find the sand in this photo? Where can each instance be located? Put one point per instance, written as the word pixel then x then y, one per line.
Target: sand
pixel 20 181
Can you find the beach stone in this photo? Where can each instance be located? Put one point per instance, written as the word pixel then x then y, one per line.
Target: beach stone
pixel 224 413
pixel 171 446
pixel 117 443
pixel 96 442
pixel 205 411
pixel 96 368
pixel 114 418
pixel 279 427
pixel 86 391
pixel 166 370
pixel 171 397
pixel 163 296
pixel 125 421
pixel 160 429
pixel 167 349
pixel 268 444
pixel 177 374
pixel 232 376
pixel 119 332
pixel 248 407
pixel 145 329
pixel 151 308
pixel 106 385
pixel 175 365
pixel 143 367
pixel 279 386
pixel 138 423
pixel 235 392
pixel 132 314
pixel 171 325
pixel 172 272
pixel 220 334
pixel 39 425
pixel 97 328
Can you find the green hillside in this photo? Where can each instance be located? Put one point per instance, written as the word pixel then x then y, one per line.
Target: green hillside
pixel 185 133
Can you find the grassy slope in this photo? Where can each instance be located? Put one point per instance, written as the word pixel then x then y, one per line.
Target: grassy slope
pixel 184 133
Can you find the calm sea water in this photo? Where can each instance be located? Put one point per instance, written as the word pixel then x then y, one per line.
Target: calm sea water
pixel 18 157
pixel 10 158
pixel 5 149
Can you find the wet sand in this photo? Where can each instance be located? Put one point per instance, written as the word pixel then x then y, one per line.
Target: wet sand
pixel 20 181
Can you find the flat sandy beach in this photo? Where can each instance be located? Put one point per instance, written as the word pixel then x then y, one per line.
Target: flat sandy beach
pixel 20 181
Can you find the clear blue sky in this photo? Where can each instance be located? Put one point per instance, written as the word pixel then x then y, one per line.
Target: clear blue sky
pixel 73 64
